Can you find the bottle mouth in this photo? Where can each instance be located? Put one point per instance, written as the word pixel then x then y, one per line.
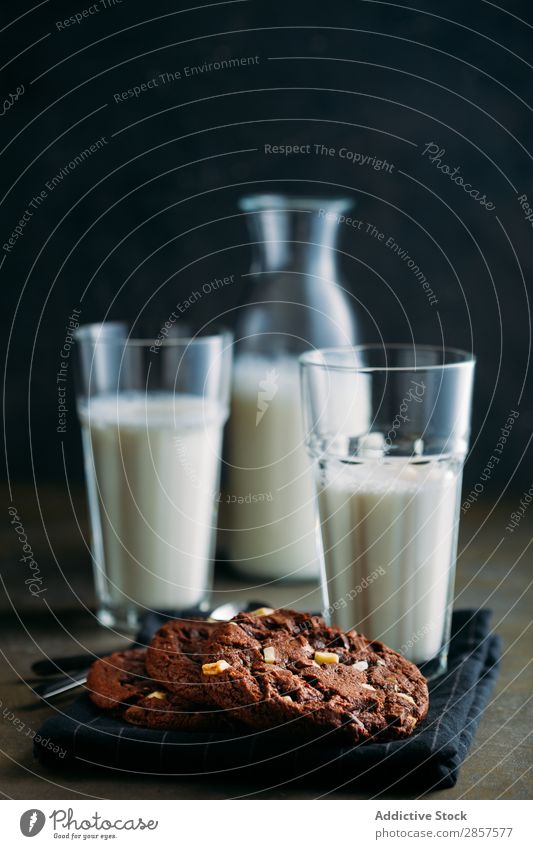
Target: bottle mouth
pixel 300 203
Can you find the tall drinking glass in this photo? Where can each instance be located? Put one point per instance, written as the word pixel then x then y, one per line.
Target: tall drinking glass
pixel 152 414
pixel 388 428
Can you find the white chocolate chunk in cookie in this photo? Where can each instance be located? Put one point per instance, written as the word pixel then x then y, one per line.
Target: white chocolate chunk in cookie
pixel 326 657
pixel 360 665
pixel 269 653
pixel 157 694
pixel 262 611
pixel 215 668
pixel 407 698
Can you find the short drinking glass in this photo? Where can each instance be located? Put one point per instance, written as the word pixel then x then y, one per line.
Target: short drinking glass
pixel 388 429
pixel 152 415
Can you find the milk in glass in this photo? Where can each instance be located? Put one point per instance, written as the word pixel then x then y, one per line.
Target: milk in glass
pixel 389 532
pixel 152 470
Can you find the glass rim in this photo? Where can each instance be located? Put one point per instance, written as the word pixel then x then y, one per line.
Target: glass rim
pixel 102 334
pixel 309 358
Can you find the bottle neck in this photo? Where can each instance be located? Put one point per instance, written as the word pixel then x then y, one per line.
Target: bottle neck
pixel 301 240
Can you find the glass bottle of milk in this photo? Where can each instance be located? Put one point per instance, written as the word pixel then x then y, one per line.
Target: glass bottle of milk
pixel 295 303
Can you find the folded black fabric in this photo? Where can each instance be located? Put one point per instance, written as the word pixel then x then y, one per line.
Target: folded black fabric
pixel 428 760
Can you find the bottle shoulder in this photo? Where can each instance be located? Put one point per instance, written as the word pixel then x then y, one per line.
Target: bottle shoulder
pixel 307 311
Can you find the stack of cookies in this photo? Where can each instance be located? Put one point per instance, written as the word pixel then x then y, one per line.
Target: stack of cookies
pixel 268 669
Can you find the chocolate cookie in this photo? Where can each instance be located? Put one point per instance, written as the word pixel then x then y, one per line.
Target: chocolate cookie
pixel 291 671
pixel 175 656
pixel 119 683
pixel 167 711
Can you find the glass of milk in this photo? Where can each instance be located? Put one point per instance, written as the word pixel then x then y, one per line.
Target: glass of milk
pixel 152 413
pixel 387 428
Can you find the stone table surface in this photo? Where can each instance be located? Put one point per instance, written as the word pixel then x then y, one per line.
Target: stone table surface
pixel 494 570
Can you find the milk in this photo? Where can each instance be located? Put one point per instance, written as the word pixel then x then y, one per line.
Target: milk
pixel 270 492
pixel 152 471
pixel 389 531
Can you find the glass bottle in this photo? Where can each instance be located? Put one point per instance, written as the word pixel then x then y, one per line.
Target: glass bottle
pixel 295 302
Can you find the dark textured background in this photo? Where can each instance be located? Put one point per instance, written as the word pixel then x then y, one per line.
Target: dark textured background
pixel 153 214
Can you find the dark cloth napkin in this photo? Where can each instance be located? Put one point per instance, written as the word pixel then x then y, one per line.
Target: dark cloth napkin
pixel 428 760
